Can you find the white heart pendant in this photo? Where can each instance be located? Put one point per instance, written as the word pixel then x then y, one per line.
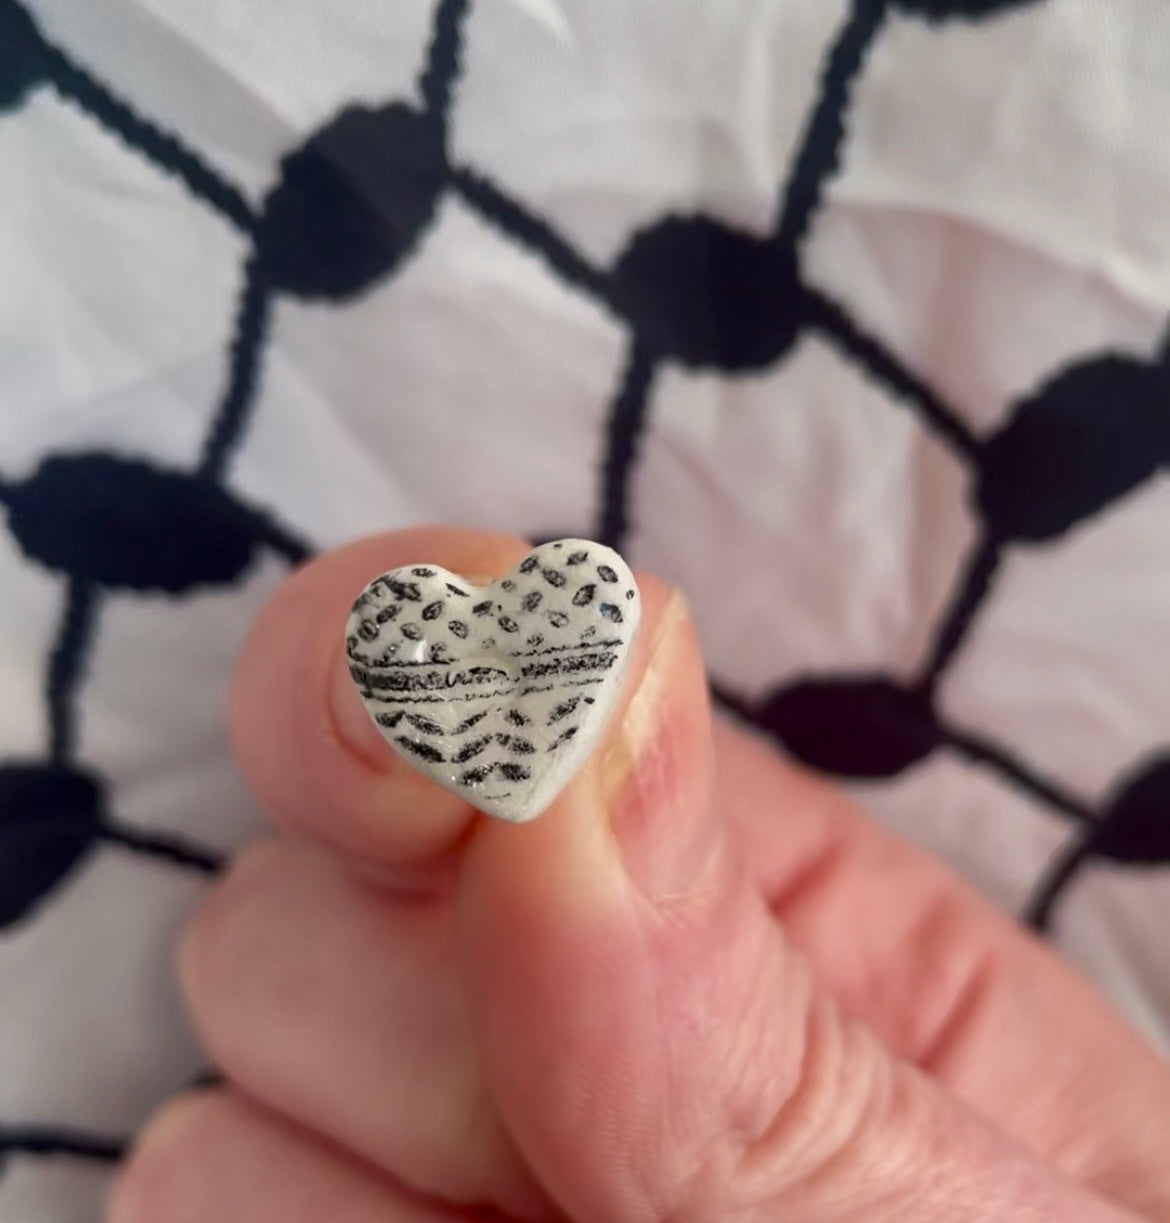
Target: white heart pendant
pixel 499 692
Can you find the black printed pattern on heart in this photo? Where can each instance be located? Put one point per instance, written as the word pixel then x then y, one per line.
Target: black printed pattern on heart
pixel 493 691
pixel 349 207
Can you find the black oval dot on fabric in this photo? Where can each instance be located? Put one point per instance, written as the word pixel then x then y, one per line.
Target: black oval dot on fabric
pixel 864 727
pixel 389 612
pixel 630 594
pixel 458 628
pixel 50 818
pixel 23 62
pixel 710 295
pixel 483 609
pixel 457 591
pixel 535 640
pixel 584 596
pixel 554 577
pixel 508 585
pixel 368 630
pixel 1086 438
pixel 514 772
pixel 432 611
pixel 577 558
pixel 531 600
pixel 508 624
pixel 411 632
pixel 125 523
pixel 558 619
pixel 352 202
pixel 611 611
pixel 422 573
pixel 939 10
pixel 606 574
pixel 1135 827
pixel 529 564
pixel 439 653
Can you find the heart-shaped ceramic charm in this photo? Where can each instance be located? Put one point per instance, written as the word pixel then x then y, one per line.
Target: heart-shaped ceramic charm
pixel 497 692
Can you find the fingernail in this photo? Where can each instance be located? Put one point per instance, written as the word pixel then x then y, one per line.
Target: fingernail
pixel 656 774
pixel 353 726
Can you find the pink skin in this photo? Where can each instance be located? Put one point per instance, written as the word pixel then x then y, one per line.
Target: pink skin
pixel 702 987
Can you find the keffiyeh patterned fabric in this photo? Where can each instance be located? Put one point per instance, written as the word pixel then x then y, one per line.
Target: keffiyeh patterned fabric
pixel 849 318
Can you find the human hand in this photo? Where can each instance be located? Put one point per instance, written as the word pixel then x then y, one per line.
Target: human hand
pixel 701 987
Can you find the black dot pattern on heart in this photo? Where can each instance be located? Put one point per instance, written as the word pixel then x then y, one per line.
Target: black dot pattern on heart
pixel 542 682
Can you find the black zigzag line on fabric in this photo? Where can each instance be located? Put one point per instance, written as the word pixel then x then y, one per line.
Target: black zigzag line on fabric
pixel 174 850
pixel 818 159
pixel 282 539
pixel 1054 883
pixel 972 590
pixel 1016 771
pixel 531 232
pixel 66 666
pixel 442 69
pixel 627 422
pixel 247 349
pixel 162 148
pixel 49 1141
pixel 829 318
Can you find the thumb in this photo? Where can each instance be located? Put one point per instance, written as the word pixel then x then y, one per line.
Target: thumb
pixel 658 1049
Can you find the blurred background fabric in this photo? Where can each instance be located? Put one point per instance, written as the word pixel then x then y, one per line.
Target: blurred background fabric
pixel 848 317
